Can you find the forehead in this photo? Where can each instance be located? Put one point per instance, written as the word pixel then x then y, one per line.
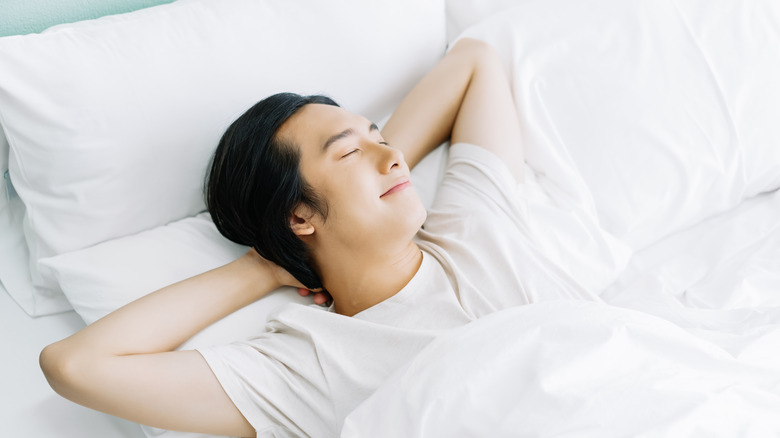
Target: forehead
pixel 312 125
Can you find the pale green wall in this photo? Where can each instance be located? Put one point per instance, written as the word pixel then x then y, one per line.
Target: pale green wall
pixel 28 16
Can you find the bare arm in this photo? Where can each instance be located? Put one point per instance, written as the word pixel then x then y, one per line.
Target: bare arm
pixel 465 98
pixel 124 365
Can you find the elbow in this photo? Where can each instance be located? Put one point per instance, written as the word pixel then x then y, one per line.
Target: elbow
pixel 481 54
pixel 476 48
pixel 60 367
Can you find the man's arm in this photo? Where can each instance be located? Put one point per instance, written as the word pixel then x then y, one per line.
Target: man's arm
pixel 124 363
pixel 466 98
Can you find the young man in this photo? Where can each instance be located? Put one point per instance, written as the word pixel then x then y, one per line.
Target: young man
pixel 325 200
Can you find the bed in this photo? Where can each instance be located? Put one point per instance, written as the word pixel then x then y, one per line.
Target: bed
pixel 650 128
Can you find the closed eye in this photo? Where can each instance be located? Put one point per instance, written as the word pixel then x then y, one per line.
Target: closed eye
pixel 349 153
pixel 357 149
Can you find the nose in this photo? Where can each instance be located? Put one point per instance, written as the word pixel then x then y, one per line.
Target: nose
pixel 389 158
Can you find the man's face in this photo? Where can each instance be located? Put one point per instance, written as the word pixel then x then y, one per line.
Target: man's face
pixel 365 183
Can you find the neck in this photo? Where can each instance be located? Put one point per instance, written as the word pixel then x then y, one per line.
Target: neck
pixel 358 281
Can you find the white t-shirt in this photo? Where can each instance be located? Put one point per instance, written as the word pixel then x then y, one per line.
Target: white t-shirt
pixel 313 366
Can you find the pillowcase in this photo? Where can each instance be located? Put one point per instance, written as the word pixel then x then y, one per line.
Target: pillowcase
pixel 111 122
pixel 652 114
pixel 20 18
pixel 104 277
pixel 14 269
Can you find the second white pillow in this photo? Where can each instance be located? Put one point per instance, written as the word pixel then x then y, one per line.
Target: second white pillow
pixel 652 114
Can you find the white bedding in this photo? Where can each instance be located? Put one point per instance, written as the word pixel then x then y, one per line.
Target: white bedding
pixel 654 118
pixel 686 345
pixel 574 369
pixel 721 276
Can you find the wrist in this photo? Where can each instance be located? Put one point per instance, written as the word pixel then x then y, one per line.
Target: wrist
pixel 258 273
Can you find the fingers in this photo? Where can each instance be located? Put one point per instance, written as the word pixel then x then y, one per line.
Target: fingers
pixel 320 297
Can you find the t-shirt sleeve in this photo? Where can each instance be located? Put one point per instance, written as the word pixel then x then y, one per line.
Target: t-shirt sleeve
pixel 272 396
pixel 485 222
pixel 477 228
pixel 475 179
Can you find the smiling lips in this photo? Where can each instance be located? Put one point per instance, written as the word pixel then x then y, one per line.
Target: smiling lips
pixel 404 183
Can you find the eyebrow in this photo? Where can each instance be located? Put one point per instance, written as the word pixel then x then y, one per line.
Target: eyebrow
pixel 345 133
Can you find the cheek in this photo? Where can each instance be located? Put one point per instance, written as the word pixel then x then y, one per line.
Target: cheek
pixel 350 199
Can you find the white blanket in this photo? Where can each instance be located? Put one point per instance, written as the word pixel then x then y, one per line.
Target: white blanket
pixel 575 369
pixel 687 344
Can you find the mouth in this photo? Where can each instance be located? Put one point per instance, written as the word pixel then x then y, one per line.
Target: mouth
pixel 397 187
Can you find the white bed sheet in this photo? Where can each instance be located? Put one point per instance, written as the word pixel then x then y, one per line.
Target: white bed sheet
pixel 28 406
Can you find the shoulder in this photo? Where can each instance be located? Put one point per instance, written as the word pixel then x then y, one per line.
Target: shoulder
pixel 475 180
pixel 471 156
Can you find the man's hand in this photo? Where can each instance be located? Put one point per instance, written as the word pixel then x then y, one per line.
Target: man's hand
pixel 321 297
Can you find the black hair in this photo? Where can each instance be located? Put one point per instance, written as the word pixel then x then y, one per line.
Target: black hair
pixel 255 184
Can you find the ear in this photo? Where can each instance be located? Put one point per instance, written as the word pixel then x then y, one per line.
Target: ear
pixel 300 221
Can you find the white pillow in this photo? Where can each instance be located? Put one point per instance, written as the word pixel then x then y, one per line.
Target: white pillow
pixel 14 268
pixel 658 113
pixel 111 122
pixel 104 277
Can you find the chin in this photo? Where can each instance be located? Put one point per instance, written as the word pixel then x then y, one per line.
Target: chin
pixel 413 216
pixel 423 217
